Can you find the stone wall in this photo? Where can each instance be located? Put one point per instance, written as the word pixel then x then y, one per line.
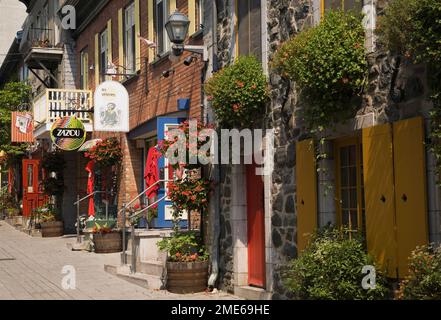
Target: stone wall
pixel 396 90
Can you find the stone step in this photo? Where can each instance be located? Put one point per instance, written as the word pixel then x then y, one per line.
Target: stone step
pixel 147 281
pixel 252 293
pixel 151 267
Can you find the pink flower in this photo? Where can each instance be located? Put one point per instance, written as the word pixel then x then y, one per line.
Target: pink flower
pixel 236 107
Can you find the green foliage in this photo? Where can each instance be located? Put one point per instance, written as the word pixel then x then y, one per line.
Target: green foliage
pixel 238 93
pixel 184 247
pixel 47 213
pixel 424 280
pixel 329 65
pixel 7 200
pixel 413 28
pixel 12 96
pixel 330 268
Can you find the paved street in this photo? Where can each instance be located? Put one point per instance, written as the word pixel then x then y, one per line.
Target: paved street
pixel 31 268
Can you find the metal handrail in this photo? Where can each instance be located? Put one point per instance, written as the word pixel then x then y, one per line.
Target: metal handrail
pixel 146 208
pixel 77 203
pixel 88 196
pixel 126 205
pixel 123 211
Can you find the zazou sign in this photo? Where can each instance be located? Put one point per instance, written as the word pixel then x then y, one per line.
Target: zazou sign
pixel 111 107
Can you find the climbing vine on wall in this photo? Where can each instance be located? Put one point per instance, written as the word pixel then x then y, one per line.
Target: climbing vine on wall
pixel 412 28
pixel 328 63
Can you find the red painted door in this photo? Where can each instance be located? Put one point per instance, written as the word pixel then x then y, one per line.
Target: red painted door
pixel 33 196
pixel 256 227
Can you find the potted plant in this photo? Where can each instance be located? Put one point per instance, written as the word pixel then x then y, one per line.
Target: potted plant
pixel 50 223
pixel 187 262
pixel 106 239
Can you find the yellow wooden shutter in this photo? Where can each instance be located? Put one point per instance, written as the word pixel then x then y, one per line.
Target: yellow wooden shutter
pixel 379 196
pixel 109 44
pixel 192 16
pixel 306 181
pixel 137 34
pixel 172 6
pixel 121 61
pixel 97 59
pixel 151 29
pixel 410 189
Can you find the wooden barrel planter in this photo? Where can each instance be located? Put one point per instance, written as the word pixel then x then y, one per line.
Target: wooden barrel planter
pixel 187 277
pixel 107 242
pixel 52 229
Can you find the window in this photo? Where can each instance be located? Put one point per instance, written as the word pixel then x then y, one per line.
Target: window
pixel 341 4
pixel 161 16
pixel 24 74
pixel 249 28
pixel 103 51
pixel 350 189
pixel 84 68
pixel 129 39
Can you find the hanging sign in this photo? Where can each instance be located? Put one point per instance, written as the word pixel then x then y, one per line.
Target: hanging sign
pixel 111 107
pixel 21 127
pixel 68 133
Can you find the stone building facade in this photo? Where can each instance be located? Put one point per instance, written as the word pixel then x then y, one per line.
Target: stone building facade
pixel 396 90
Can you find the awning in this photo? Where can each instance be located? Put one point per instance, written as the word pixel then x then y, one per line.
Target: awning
pixel 89 144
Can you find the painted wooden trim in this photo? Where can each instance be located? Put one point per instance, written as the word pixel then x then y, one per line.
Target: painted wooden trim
pixel 109 44
pixel 121 61
pixel 97 59
pixel 137 33
pixel 151 28
pixel 192 16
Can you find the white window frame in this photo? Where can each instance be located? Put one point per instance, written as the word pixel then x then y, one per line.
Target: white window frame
pixel 104 51
pixel 129 38
pixel 160 30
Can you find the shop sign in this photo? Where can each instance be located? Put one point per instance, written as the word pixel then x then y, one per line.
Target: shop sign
pixel 111 107
pixel 68 133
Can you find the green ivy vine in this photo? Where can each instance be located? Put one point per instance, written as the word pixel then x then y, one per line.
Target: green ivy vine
pixel 412 28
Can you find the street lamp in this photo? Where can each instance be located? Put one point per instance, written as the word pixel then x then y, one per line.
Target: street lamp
pixel 177 29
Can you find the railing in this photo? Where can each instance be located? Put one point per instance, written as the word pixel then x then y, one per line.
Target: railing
pixel 55 103
pixel 79 201
pixel 123 212
pixel 39 38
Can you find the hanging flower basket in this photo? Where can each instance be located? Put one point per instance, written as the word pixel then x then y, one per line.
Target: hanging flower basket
pixel 106 153
pixel 239 93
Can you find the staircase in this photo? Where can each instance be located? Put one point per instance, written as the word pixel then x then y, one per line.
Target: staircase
pixel 147 268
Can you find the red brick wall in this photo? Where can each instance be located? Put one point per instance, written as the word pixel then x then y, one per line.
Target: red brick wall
pixel 163 92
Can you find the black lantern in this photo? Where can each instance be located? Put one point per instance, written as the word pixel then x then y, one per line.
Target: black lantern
pixel 177 27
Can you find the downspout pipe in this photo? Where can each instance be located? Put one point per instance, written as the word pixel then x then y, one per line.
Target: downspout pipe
pixel 216 196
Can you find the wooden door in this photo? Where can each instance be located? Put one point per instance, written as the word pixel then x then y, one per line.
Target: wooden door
pixel 32 193
pixel 255 227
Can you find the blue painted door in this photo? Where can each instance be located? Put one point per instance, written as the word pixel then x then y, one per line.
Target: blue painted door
pixel 165 208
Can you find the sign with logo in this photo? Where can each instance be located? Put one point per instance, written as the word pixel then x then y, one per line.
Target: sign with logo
pixel 111 107
pixel 68 133
pixel 21 127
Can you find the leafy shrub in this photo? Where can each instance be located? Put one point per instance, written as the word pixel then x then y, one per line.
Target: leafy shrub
pixel 184 247
pixel 412 28
pixel 330 268
pixel 328 63
pixel 238 92
pixel 424 279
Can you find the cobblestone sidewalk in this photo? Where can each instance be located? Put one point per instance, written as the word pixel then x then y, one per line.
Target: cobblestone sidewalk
pixel 31 268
